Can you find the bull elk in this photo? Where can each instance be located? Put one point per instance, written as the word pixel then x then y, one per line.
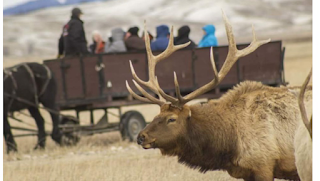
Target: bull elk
pixel 248 132
pixel 303 139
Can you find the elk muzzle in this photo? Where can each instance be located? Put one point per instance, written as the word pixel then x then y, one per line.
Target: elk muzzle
pixel 145 141
pixel 140 139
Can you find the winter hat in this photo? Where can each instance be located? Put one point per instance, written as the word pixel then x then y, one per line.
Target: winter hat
pixel 134 30
pixel 184 31
pixel 209 29
pixel 162 31
pixel 76 12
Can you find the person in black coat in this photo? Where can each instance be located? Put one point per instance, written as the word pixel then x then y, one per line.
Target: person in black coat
pixel 60 47
pixel 74 39
pixel 183 37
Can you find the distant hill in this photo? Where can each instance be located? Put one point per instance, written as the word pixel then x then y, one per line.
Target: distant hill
pixel 34 5
pixel 37 33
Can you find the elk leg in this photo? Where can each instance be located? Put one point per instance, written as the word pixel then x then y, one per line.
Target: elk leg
pixel 265 174
pixel 11 144
pixel 249 179
pixel 40 124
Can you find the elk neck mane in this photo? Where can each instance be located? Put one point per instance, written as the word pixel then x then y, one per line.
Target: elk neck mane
pixel 207 144
pixel 243 88
pixel 249 87
pixel 210 141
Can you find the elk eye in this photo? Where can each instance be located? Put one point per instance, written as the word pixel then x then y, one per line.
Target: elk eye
pixel 171 120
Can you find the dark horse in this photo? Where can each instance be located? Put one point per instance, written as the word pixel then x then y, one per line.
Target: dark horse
pixel 34 83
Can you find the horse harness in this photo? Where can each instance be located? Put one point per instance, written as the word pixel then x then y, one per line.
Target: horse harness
pixel 9 74
pixel 14 82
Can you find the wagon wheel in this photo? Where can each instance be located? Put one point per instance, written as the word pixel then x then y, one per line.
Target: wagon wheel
pixel 131 123
pixel 70 134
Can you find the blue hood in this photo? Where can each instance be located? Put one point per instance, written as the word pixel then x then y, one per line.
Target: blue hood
pixel 210 29
pixel 209 39
pixel 162 31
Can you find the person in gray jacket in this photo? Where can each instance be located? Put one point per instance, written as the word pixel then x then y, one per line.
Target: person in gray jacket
pixel 116 42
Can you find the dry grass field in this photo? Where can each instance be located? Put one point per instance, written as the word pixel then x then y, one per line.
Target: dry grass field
pixel 106 157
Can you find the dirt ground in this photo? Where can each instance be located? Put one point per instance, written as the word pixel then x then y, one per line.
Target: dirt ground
pixel 106 157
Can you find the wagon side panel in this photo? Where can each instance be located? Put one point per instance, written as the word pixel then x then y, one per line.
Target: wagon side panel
pixel 91 77
pixel 54 66
pixel 117 71
pixel 263 65
pixel 204 71
pixel 72 70
pixel 181 63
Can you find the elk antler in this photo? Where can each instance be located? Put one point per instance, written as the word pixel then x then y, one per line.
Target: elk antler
pixel 302 107
pixel 152 61
pixel 233 55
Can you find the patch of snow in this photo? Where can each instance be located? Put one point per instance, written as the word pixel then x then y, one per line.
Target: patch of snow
pixel 302 19
pixel 62 1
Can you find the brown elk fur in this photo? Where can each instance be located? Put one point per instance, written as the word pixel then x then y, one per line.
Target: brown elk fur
pixel 303 153
pixel 249 132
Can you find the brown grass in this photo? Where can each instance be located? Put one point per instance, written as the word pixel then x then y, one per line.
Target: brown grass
pixel 98 157
pixel 106 157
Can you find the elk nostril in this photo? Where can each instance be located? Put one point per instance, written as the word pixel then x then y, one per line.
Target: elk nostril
pixel 140 139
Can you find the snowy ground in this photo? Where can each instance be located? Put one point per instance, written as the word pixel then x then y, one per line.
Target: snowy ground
pixel 37 33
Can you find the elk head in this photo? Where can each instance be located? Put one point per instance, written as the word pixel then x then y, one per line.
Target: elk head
pixel 167 128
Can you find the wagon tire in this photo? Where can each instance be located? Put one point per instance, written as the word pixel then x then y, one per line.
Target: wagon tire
pixel 70 138
pixel 131 123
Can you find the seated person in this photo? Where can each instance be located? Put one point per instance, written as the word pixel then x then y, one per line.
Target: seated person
pixel 98 44
pixel 150 36
pixel 209 39
pixel 132 41
pixel 183 37
pixel 116 43
pixel 162 39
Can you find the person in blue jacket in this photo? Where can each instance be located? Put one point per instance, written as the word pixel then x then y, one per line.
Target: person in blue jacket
pixel 162 39
pixel 209 39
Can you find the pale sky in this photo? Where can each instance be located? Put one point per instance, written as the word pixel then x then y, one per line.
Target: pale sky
pixel 10 3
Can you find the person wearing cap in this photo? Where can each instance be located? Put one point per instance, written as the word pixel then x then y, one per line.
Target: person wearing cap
pixel 132 41
pixel 75 42
pixel 162 39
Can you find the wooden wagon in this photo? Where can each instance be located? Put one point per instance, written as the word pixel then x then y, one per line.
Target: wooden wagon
pixel 93 82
